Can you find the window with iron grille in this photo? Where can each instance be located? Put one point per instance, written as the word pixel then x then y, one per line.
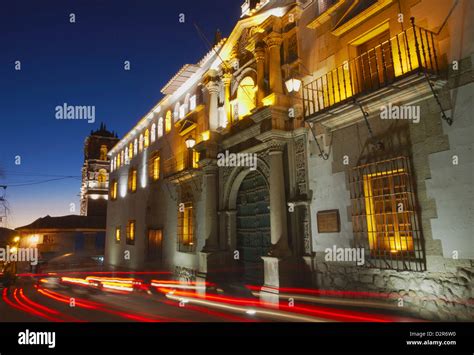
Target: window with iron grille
pixel 384 215
pixel 186 242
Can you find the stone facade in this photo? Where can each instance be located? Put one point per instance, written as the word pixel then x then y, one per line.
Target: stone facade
pixel 307 144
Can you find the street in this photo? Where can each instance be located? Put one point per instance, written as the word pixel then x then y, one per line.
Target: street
pixel 103 297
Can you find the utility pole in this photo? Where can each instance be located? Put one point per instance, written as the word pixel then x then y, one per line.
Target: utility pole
pixel 3 207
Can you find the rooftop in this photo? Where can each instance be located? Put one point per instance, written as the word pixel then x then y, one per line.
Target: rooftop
pixel 65 223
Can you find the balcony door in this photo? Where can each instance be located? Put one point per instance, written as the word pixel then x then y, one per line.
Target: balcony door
pixel 375 63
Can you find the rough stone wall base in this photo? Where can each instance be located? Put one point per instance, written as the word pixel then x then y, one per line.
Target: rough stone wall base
pixel 432 295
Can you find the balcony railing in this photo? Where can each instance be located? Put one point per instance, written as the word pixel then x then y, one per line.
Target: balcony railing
pixel 412 50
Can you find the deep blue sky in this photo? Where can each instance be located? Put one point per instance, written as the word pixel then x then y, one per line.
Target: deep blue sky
pixel 82 64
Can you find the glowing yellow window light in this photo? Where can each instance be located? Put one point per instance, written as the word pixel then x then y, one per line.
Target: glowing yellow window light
pixel 246 96
pixel 131 231
pixel 113 191
pixel 117 234
pixel 187 228
pixel 130 151
pixel 147 138
pixel 386 225
pixel 196 156
pixel 156 168
pixel 132 180
pixel 168 122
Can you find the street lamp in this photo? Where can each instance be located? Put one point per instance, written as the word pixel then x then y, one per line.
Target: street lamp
pixel 293 85
pixel 190 142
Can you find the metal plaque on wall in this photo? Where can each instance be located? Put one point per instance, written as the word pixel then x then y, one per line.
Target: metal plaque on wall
pixel 328 221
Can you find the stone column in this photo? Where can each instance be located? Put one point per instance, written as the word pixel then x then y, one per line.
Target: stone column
pixel 227 79
pixel 210 206
pixel 260 59
pixel 213 89
pixel 278 208
pixel 274 41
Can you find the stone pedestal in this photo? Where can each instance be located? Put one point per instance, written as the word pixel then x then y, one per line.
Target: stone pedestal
pixel 279 272
pixel 213 266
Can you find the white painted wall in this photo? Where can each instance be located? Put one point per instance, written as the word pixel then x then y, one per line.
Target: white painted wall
pixel 329 193
pixel 453 186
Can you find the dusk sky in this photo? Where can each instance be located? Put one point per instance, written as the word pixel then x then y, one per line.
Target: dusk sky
pixel 82 63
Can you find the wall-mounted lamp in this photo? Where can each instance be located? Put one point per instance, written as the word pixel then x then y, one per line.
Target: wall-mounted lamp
pixel 190 142
pixel 293 85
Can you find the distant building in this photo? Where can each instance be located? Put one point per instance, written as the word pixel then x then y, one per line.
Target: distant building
pixel 56 236
pixel 95 172
pixel 85 234
pixel 6 235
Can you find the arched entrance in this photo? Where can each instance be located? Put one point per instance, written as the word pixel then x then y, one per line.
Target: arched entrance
pixel 253 227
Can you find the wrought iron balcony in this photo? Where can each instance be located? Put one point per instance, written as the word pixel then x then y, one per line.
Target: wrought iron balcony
pixel 411 51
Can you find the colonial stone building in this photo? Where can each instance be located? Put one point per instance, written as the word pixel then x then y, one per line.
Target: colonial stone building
pixel 316 126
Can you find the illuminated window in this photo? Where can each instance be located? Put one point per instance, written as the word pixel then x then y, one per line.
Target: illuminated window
pixel 192 103
pixel 176 112
pixel 182 111
pixel 140 143
pixel 131 232
pixel 114 190
pixel 130 151
pixel 195 159
pixel 117 235
pixel 122 157
pixel 153 133
pixel 186 228
pixel 160 127
pixel 246 96
pixel 154 167
pixel 135 147
pixel 147 138
pixel 385 220
pixel 132 180
pixel 168 122
pixel 103 152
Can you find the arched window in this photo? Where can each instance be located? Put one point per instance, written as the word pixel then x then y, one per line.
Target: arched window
pixel 127 156
pixel 130 151
pixel 168 122
pixel 160 127
pixel 147 138
pixel 176 112
pixel 153 133
pixel 103 152
pixel 140 143
pixel 135 147
pixel 246 96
